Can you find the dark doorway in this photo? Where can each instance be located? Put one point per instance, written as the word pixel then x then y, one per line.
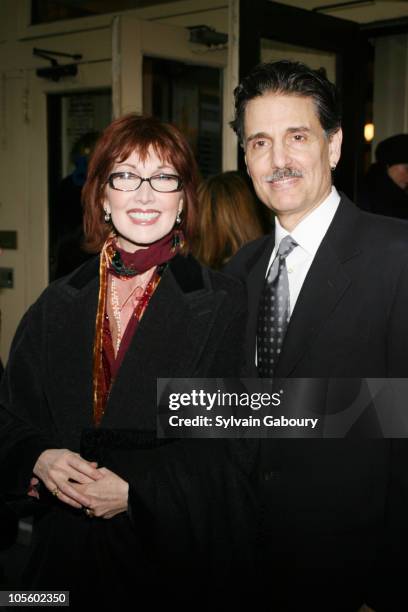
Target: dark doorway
pixel 74 123
pixel 190 97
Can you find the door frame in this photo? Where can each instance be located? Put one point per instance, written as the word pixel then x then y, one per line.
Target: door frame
pixel 133 38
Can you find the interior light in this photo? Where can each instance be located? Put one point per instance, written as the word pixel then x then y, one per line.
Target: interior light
pixel 369 131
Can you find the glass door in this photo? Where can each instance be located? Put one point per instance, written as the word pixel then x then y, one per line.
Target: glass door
pixel 160 72
pixel 75 122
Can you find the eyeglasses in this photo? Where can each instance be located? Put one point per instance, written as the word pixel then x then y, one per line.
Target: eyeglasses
pixel 127 181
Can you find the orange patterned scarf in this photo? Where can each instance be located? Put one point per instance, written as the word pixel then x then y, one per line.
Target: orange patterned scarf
pixel 103 379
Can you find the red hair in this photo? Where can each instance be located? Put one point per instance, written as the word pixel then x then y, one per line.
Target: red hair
pixel 229 218
pixel 125 135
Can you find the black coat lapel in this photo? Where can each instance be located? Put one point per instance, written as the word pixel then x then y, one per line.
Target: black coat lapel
pixel 72 313
pixel 168 342
pixel 324 286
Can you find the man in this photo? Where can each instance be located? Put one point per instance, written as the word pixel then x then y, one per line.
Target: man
pixel 340 279
pixel 385 187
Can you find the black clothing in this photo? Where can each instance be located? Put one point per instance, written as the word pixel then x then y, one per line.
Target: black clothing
pixel 326 503
pixel 190 506
pixel 380 195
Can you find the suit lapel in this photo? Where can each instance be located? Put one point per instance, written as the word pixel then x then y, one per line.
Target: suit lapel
pixel 324 286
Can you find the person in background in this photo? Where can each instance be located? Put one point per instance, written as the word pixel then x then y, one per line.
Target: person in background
pixel 126 516
pixel 67 220
pixel 384 190
pixel 228 218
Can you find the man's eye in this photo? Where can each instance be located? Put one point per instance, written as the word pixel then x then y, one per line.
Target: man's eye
pixel 299 137
pixel 259 143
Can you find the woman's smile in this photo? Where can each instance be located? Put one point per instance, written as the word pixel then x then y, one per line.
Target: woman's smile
pixel 143 217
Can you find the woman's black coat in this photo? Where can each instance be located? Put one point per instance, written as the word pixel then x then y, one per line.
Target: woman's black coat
pixel 190 506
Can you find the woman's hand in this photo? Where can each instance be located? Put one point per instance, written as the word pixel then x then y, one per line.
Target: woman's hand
pixel 108 495
pixel 56 467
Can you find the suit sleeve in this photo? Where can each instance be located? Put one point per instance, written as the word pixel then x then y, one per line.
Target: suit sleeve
pixel 388 588
pixel 398 329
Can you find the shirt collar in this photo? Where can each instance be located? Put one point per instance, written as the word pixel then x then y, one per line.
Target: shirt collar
pixel 311 230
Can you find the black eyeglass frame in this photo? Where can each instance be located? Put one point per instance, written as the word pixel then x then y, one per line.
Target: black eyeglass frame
pixel 148 179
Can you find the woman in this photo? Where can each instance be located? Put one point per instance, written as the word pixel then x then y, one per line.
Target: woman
pixel 228 218
pixel 118 508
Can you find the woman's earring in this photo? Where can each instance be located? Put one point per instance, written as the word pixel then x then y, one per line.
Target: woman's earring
pixel 107 216
pixel 178 218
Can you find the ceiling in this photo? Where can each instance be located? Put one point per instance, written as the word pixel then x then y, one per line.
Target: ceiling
pixel 361 11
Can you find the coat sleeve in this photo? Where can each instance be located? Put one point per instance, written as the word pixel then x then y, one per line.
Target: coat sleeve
pixel 388 587
pixel 25 428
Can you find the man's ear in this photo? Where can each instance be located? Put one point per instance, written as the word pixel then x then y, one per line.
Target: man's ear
pixel 335 141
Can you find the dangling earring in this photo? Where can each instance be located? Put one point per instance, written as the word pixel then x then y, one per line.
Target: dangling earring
pixel 107 216
pixel 177 241
pixel 178 218
pixel 178 238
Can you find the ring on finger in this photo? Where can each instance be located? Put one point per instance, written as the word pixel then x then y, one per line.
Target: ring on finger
pixel 55 491
pixel 89 512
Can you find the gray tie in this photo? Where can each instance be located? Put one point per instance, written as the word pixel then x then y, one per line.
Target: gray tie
pixel 274 311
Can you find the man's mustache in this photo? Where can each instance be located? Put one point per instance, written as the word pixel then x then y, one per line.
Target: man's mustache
pixel 283 173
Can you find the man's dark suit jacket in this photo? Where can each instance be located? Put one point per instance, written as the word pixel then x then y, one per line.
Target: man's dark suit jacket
pixel 329 506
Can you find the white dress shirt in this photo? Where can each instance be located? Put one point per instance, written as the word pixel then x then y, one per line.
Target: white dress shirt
pixel 308 234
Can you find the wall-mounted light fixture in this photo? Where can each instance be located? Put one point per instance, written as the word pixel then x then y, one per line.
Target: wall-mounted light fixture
pixel 56 71
pixel 204 35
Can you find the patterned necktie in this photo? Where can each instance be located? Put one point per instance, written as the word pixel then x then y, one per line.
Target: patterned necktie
pixel 274 311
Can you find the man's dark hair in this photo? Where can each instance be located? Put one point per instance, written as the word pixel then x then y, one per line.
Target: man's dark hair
pixel 289 78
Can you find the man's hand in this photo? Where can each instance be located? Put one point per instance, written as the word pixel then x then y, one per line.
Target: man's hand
pixel 108 495
pixel 58 467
